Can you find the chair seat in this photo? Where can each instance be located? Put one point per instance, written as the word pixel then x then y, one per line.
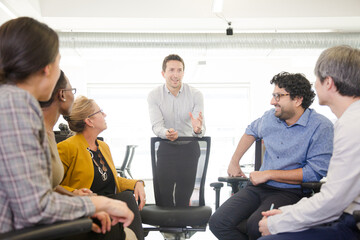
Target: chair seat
pixel 175 216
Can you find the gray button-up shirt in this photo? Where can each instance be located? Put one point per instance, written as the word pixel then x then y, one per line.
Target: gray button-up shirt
pixel 169 111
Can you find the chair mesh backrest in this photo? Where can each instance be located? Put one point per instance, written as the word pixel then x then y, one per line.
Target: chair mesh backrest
pixel 179 170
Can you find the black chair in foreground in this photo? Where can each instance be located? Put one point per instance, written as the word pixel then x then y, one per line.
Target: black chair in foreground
pixel 53 231
pixel 172 220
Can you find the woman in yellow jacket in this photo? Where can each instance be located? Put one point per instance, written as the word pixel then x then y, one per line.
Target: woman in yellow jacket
pixel 88 163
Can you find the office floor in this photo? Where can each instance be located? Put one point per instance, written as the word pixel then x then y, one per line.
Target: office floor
pixel 210 201
pixel 197 236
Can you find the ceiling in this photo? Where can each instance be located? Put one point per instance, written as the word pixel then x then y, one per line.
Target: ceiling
pixel 189 16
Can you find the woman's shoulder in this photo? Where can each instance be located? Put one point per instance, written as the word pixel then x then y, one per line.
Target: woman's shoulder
pixel 69 142
pixel 103 144
pixel 17 98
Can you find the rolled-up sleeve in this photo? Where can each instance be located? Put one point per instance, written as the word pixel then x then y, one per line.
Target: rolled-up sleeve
pixel 319 153
pixel 199 107
pixel 254 129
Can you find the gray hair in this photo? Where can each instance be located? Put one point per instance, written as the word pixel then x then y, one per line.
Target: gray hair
pixel 342 64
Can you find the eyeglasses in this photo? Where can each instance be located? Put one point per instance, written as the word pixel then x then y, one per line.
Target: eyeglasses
pixel 70 89
pixel 100 111
pixel 277 96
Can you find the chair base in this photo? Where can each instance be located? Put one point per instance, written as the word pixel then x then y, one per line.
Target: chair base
pixel 174 233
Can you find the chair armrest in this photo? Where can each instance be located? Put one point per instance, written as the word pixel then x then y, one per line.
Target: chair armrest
pixel 234 182
pixel 233 179
pixel 356 215
pixel 314 186
pixel 51 231
pixel 217 187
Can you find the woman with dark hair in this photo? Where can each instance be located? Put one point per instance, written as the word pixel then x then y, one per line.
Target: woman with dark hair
pixel 29 70
pixel 60 103
pixel 88 162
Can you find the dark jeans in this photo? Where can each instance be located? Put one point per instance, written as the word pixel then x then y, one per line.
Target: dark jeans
pixel 248 204
pixel 342 229
pixel 176 172
pixel 136 225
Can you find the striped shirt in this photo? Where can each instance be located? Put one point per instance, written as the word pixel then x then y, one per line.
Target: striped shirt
pixel 26 196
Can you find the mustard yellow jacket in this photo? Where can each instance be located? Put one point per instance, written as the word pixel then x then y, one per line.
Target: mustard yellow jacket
pixel 79 168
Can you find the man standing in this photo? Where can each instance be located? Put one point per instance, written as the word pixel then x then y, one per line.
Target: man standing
pixel 298 143
pixel 175 110
pixel 328 214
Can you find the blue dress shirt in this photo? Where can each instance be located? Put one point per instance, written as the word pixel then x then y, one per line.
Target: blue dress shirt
pixel 307 144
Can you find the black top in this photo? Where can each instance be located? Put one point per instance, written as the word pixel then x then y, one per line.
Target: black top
pixel 104 182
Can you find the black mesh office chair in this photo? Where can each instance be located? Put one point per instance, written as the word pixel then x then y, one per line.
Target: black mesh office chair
pixel 53 231
pixel 180 214
pixel 126 165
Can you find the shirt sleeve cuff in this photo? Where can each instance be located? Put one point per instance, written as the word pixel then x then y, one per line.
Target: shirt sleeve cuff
pixel 88 206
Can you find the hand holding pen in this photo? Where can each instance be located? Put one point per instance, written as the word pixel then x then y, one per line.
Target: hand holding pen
pixel 263 226
pixel 272 211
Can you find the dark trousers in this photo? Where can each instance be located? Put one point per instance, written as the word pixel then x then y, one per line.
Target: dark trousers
pixel 116 233
pixel 128 198
pixel 247 204
pixel 176 172
pixel 342 229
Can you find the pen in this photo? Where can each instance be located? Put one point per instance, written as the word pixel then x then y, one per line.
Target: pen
pixel 271 207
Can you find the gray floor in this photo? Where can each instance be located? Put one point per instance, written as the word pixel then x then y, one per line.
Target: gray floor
pixel 197 236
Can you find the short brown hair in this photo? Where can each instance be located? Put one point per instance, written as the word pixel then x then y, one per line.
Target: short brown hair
pixel 170 58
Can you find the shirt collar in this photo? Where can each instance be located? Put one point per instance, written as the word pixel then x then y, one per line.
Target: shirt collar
pixel 168 91
pixel 303 120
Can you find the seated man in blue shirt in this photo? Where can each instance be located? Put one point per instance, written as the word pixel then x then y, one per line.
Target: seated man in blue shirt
pixel 298 143
pixel 328 214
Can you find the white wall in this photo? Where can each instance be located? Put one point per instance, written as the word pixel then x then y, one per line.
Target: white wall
pixel 235 84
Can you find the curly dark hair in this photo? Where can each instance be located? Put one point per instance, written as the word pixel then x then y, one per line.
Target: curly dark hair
pixel 296 85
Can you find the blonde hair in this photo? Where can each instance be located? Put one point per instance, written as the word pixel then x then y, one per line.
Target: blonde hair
pixel 82 108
